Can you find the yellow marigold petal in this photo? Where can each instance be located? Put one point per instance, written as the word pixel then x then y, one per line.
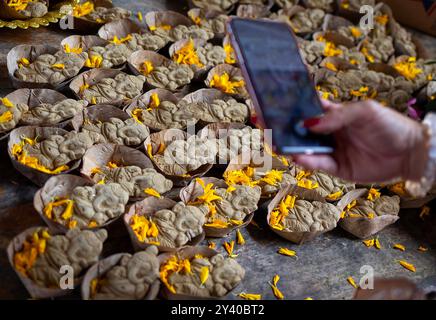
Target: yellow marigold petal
pixel 277 293
pixel 352 282
pixel 211 244
pixel 23 62
pixel 369 243
pixel 422 249
pixel 150 151
pixel 67 213
pixel 153 231
pixel 96 170
pixel 94 287
pixel 230 189
pixel 83 9
pixel 72 224
pixel 331 66
pixel 351 205
pixel 187 266
pixel 330 50
pixel 204 274
pixel 6 102
pixel 229 54
pixel 225 84
pixel 408 68
pixel 146 68
pixel 152 192
pixel 58 66
pixel 399 246
pixel 112 165
pixel 32 248
pixel 161 149
pixel 229 247
pixel 118 41
pixel 217 223
pixel 144 229
pixel 42 245
pixel 94 61
pixel 407 265
pixel 273 177
pixel 377 244
pixel 163 27
pixel 382 19
pixel 137 115
pixel 195 19
pixel 307 184
pixel 199 256
pixel 287 252
pixel 335 196
pixel 355 32
pixel 276 279
pixel 92 224
pixel 250 296
pixel 83 88
pixel 354 62
pixel 367 55
pixel 236 222
pixel 188 55
pixel 240 238
pixel 6 117
pixel 45 234
pixel 154 101
pixel 373 194
pixel 68 49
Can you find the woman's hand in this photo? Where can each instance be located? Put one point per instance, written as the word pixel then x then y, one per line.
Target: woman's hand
pixel 373 143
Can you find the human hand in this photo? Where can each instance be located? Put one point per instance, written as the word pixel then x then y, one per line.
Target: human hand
pixel 373 143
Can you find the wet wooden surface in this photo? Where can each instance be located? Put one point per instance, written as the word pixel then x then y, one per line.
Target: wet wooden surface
pixel 319 272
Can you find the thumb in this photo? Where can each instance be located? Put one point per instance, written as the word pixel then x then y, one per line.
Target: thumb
pixel 324 163
pixel 335 119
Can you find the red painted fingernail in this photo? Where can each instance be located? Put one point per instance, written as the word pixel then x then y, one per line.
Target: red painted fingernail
pixel 311 122
pixel 253 119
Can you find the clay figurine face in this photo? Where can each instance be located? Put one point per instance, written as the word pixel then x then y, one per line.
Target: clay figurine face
pixel 224 274
pixel 121 88
pixel 51 114
pixel 78 249
pixel 130 278
pixel 128 132
pixel 217 5
pixel 104 15
pixel 135 180
pixel 311 217
pixel 174 227
pixel 181 32
pixel 52 69
pixel 34 9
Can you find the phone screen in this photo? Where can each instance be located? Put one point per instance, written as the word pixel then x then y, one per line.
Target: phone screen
pixel 279 84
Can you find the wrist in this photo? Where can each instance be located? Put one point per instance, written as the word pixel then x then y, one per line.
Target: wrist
pixel 421 178
pixel 418 157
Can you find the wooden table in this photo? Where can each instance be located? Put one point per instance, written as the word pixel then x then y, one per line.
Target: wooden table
pixel 319 272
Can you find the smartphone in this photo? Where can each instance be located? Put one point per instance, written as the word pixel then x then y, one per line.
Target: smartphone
pixel 279 84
